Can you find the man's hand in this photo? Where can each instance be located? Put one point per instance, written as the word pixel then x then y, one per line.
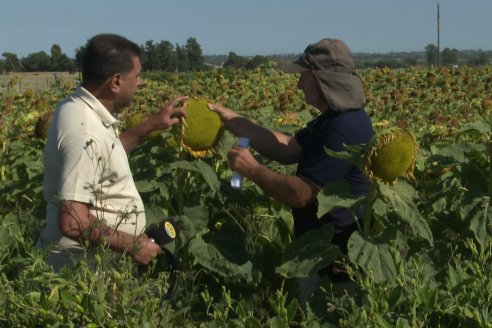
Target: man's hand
pixel 145 250
pixel 242 161
pixel 225 114
pixel 170 113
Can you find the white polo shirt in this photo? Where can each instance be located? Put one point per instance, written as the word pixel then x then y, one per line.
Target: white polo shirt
pixel 85 161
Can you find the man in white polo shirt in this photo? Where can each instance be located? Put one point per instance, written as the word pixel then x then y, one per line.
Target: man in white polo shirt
pixel 88 186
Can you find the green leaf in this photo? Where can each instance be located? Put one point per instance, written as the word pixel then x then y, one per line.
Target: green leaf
pixel 194 221
pixel 292 309
pixel 154 214
pixel 481 218
pixel 100 290
pixel 457 152
pixel 67 299
pixel 277 322
pixel 381 322
pixel 54 296
pixel 354 154
pixel 400 197
pixel 402 323
pixel 185 165
pixel 373 256
pixel 475 127
pixel 230 241
pixel 146 185
pixel 252 322
pixel 208 256
pixel 96 311
pixel 201 167
pixel 309 253
pixel 208 174
pixel 137 292
pixel 336 194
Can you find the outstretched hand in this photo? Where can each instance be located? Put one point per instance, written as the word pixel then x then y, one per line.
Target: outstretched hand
pixel 225 114
pixel 171 112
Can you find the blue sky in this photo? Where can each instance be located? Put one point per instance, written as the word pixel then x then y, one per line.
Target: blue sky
pixel 248 27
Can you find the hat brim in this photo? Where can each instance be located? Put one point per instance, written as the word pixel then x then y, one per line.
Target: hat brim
pixel 293 68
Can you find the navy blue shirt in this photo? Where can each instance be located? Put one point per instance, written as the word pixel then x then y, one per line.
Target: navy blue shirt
pixel 331 130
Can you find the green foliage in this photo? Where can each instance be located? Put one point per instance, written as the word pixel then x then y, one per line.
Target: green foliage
pixel 159 57
pixel 420 258
pixel 236 61
pixel 37 61
pixel 12 62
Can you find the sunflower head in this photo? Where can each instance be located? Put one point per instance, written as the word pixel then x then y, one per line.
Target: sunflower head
pixel 42 125
pixel 202 129
pixel 391 155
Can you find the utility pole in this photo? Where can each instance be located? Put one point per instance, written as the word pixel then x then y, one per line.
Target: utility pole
pixel 438 39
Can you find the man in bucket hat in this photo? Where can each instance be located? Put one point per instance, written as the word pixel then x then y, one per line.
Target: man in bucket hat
pixel 329 83
pixel 330 61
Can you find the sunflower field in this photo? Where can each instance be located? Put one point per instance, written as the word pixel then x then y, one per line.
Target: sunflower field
pixel 424 261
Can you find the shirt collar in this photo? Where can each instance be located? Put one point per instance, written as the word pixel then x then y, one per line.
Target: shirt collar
pixel 104 115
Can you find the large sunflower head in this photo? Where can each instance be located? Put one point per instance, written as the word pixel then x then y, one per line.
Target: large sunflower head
pixel 391 155
pixel 202 128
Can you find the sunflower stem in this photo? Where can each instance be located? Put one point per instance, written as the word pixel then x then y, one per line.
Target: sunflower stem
pixel 371 198
pixel 181 175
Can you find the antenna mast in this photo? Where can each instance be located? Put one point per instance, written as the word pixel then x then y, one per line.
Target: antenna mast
pixel 438 38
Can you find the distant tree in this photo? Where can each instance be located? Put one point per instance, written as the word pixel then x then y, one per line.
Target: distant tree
pixel 12 62
pixel 183 65
pixel 411 61
pixel 449 57
pixel 480 59
pixel 235 61
pixel 256 61
pixel 194 54
pixel 59 61
pixel 79 54
pixel 150 58
pixel 56 55
pixel 159 56
pixel 3 66
pixel 36 62
pixel 167 55
pixel 389 62
pixel 431 54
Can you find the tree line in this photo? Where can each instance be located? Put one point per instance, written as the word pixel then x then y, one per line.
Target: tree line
pixel 164 56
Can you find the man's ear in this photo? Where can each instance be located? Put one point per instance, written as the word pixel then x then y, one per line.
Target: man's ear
pixel 115 82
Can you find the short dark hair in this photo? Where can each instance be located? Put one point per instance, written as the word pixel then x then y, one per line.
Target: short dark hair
pixel 105 55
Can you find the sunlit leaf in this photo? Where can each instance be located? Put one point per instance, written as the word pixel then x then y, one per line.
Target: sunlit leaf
pixel 401 198
pixel 373 256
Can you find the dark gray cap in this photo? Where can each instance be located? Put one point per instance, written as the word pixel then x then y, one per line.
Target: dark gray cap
pixel 332 64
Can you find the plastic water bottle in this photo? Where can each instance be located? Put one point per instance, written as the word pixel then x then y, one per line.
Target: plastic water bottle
pixel 237 179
